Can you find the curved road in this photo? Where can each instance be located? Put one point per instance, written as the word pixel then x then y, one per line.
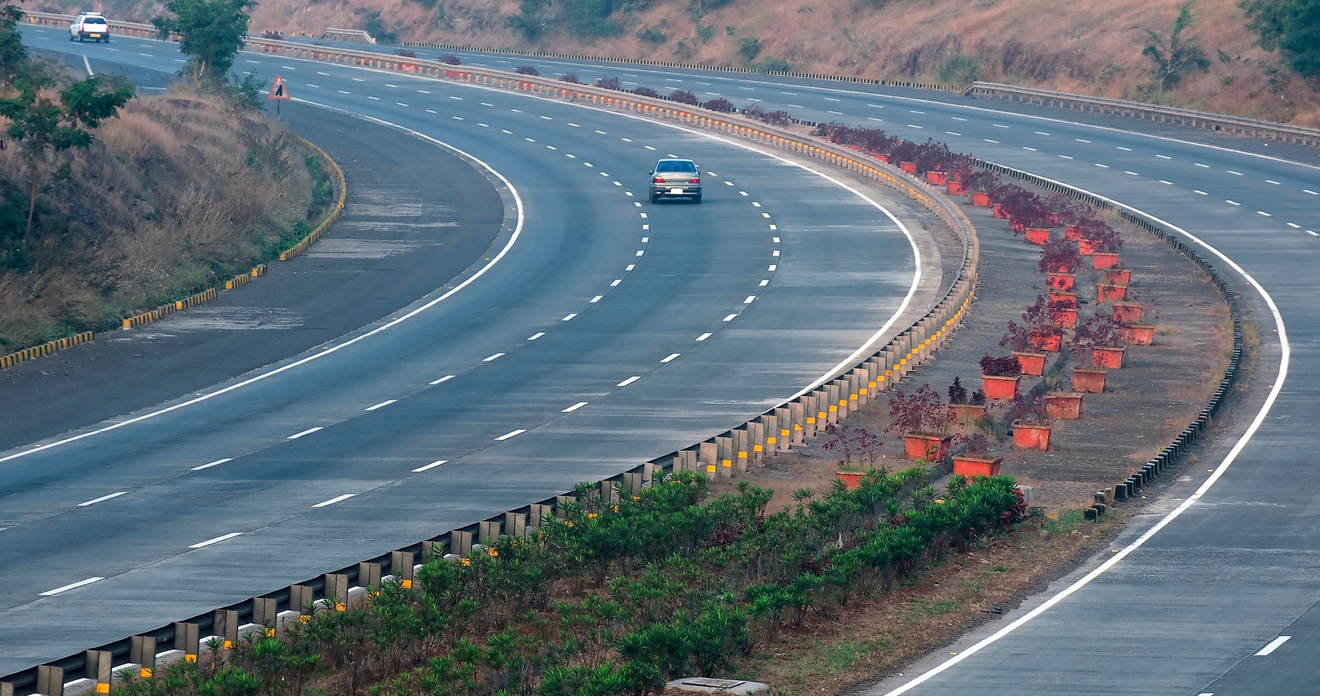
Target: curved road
pixel 597 332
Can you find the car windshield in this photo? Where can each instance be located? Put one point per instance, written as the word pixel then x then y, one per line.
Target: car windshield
pixel 676 167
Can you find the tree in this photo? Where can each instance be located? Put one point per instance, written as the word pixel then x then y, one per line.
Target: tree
pixel 1179 57
pixel 211 34
pixel 12 51
pixel 1290 26
pixel 42 126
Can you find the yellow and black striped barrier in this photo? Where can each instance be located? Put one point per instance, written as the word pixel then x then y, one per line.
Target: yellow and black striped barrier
pixel 46 348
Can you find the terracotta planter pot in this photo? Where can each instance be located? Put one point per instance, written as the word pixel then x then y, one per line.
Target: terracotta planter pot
pixel 852 480
pixel 1108 292
pixel 937 178
pixel 999 388
pixel 1031 435
pixel 1033 364
pixel 1085 247
pixel 882 158
pixel 1064 405
pixel 1139 334
pixel 909 167
pixel 1037 235
pixel 1017 227
pixel 1127 312
pixel 968 465
pixel 967 414
pixel 1071 233
pixel 930 448
pixel 1104 259
pixel 1111 357
pixel 981 199
pixel 1118 276
pixel 957 188
pixel 1061 296
pixel 1089 380
pixel 998 211
pixel 1048 342
pixel 1059 281
pixel 1064 318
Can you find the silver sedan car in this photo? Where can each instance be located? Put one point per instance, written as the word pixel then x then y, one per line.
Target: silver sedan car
pixel 675 178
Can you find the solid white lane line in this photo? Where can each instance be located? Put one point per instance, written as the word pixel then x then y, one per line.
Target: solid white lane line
pixel 446 378
pixel 670 357
pixel 1273 645
pixel 536 335
pixel 574 407
pixel 496 356
pixel 628 381
pixel 336 499
pixel 704 336
pixel 308 431
pixel 217 462
pixel 70 586
pixel 511 433
pixel 102 499
pixel 432 465
pixel 222 537
pixel 382 404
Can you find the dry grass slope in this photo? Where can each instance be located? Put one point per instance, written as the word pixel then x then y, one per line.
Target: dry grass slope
pixel 175 195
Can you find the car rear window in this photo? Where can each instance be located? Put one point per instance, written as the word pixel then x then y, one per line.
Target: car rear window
pixel 94 20
pixel 676 167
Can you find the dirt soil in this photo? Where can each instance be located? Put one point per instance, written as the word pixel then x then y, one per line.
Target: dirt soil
pixel 1157 393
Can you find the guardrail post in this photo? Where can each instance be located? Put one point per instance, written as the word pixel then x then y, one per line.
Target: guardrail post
pixel 490 531
pixel 724 450
pixel 688 460
pixel 368 574
pixel 226 627
pixel 755 442
pixel 741 446
pixel 864 384
pixel 632 483
pixel 832 402
pixel 187 640
pixel 98 669
pixel 336 591
pixel 784 420
pixel 50 680
pixel 6 689
pixel 770 434
pixel 460 542
pixel 709 457
pixel 266 613
pixel 141 652
pixel 798 416
pixel 301 598
pixel 401 567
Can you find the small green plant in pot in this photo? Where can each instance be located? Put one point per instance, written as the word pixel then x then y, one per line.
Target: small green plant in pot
pixel 857 450
pixel 925 422
pixel 975 459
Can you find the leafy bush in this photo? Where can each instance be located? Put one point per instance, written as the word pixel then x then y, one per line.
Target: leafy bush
pixel 921 412
pixel 646 92
pixel 609 83
pixel 1059 256
pixel 652 35
pixel 772 65
pixel 959 69
pixel 450 59
pixel 1037 327
pixel 405 52
pixel 527 70
pixel 748 49
pixel 957 392
pixel 683 96
pixel 570 78
pixel 1006 366
pixel 719 104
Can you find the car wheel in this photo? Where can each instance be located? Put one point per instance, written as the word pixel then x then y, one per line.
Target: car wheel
pixel 697 199
pixel 654 198
pixel 106 39
pixel 80 38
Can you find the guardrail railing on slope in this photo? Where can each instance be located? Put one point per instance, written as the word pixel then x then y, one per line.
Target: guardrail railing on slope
pixel 774 431
pixel 1148 112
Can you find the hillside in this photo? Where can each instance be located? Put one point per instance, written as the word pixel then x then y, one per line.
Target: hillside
pixel 1089 46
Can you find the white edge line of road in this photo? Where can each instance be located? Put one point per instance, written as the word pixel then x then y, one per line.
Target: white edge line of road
pixel 1285 355
pixel 513 238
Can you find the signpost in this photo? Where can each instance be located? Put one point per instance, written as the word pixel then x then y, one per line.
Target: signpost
pixel 278 93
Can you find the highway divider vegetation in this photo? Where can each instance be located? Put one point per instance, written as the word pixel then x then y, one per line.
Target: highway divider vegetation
pixel 615 597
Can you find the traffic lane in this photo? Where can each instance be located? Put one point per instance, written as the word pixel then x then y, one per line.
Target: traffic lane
pixel 296 305
pixel 1284 665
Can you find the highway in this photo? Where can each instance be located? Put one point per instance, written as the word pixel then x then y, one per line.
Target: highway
pixel 598 331
pixel 1209 591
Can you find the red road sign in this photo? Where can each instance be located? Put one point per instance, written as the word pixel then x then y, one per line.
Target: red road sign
pixel 278 91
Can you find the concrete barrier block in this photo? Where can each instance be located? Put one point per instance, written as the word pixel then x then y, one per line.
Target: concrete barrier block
pixel 489 531
pixel 265 613
pixel 515 524
pixel 98 668
pixel 50 680
pixel 709 457
pixel 755 442
pixel 724 445
pixel 460 542
pixel 336 590
pixel 538 515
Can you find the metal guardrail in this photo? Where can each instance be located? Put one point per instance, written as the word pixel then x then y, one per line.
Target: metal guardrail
pixel 1148 112
pixel 774 431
